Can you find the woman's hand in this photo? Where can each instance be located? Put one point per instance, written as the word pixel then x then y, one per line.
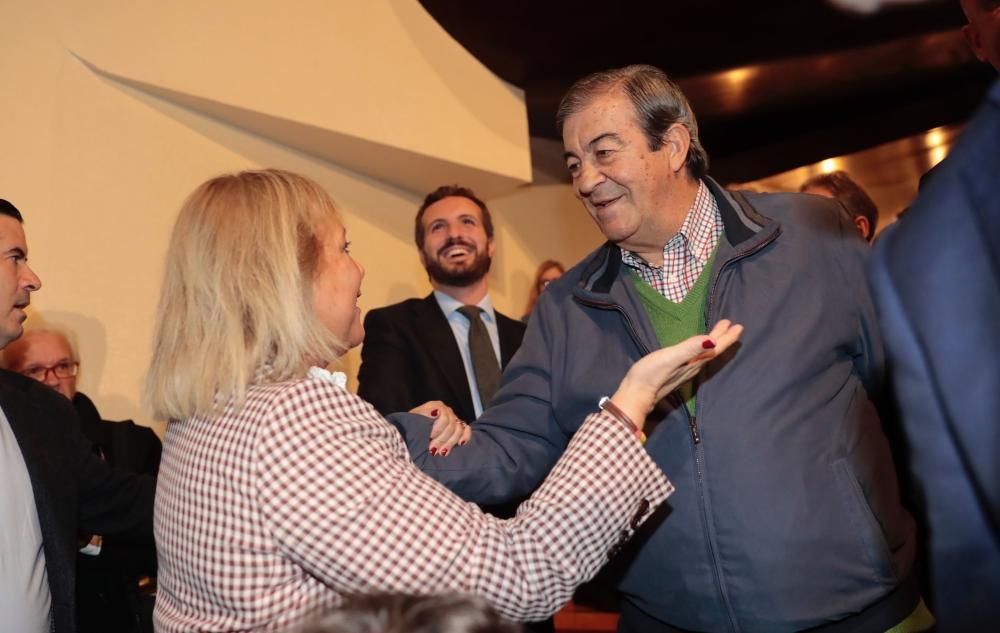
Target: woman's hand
pixel 448 429
pixel 658 373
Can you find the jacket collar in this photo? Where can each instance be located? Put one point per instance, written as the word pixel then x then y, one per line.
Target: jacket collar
pixel 743 229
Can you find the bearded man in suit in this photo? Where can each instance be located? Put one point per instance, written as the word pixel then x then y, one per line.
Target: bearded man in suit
pixel 452 345
pixel 426 349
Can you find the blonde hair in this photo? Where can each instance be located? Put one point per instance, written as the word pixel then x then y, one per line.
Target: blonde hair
pixel 236 303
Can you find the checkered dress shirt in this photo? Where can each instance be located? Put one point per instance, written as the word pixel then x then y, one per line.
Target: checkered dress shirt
pixel 267 514
pixel 684 254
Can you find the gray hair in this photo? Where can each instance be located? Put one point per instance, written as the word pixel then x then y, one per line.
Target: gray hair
pixel 12 356
pixel 657 101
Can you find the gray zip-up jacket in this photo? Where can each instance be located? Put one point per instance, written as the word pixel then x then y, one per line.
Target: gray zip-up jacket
pixel 787 513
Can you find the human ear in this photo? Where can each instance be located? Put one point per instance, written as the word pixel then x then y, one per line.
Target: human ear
pixel 677 142
pixel 862 223
pixel 971 36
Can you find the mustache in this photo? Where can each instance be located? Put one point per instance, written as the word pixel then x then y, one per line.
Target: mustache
pixel 457 241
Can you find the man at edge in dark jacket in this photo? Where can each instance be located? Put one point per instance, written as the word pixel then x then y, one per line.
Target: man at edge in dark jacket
pixel 54 485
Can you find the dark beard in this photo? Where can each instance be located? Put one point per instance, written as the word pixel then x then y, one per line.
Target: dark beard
pixel 462 277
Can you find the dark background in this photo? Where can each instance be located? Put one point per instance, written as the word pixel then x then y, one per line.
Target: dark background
pixel 775 85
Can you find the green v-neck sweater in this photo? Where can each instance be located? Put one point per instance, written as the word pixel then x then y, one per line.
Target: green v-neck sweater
pixel 674 322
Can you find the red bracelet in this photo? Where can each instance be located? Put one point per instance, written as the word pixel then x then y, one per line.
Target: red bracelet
pixel 605 404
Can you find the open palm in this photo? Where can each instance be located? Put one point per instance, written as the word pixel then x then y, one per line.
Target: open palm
pixel 658 373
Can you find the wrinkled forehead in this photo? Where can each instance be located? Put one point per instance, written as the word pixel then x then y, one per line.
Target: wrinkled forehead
pixel 37 348
pixel 46 346
pixel 608 112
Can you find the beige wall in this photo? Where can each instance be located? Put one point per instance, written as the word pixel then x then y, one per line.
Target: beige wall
pixel 114 112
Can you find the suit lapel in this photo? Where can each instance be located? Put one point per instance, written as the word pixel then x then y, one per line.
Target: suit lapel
pixel 434 333
pixel 24 424
pixel 21 416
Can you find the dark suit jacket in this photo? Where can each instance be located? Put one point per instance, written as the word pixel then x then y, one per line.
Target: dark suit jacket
pixel 107 594
pixel 936 276
pixel 125 445
pixel 73 489
pixel 410 356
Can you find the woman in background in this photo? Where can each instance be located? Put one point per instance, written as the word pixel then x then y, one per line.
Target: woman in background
pixel 280 491
pixel 549 271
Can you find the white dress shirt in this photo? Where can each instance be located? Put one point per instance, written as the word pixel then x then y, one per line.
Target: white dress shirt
pixel 25 599
pixel 460 328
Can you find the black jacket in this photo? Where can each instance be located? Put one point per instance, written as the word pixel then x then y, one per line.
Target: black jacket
pixel 73 489
pixel 107 594
pixel 125 445
pixel 410 357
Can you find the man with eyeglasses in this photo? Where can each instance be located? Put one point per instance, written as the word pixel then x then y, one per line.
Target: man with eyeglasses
pixel 114 579
pixel 47 357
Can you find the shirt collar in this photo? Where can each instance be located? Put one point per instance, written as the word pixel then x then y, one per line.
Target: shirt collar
pixel 449 304
pixel 697 235
pixel 701 224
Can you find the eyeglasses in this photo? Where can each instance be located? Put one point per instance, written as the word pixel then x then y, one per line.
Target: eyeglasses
pixel 62 369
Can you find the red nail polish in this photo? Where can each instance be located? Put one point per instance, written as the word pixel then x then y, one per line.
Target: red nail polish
pixel 708 344
pixel 444 452
pixel 434 413
pixel 434 451
pixel 463 443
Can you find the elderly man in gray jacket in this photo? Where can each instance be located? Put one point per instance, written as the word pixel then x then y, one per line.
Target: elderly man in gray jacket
pixel 787 514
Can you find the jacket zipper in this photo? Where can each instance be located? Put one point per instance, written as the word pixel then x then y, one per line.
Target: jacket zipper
pixel 734 258
pixel 692 420
pixel 606 305
pixel 630 326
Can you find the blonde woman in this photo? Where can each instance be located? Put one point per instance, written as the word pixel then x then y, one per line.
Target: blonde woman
pixel 280 491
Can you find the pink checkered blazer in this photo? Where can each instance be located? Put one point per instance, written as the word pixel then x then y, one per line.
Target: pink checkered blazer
pixel 267 514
